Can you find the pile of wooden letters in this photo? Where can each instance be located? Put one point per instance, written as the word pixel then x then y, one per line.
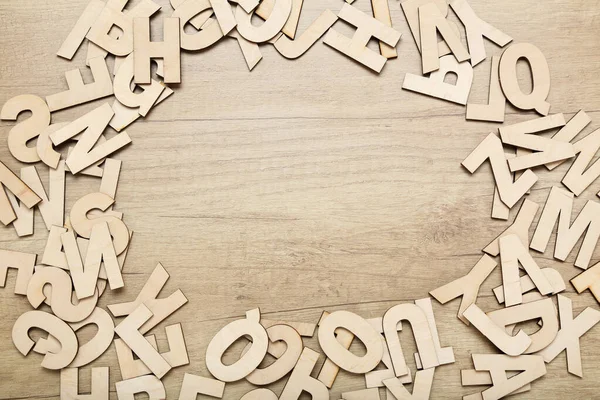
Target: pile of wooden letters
pixel 86 250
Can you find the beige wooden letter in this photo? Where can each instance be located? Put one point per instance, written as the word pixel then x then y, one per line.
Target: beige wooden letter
pixel 367 27
pixel 467 286
pixel 80 30
pixel 55 327
pixel 69 384
pixel 23 263
pixel 8 180
pixel 421 387
pixel 495 109
pixel 361 329
pixel 491 149
pixel 193 385
pixel 144 50
pixel 520 227
pixel 205 37
pixel 559 207
pixel 431 21
pixel 590 279
pixel 435 86
pixel 476 29
pixel 149 384
pixel 26 130
pixel 301 381
pixel 582 174
pixel 540 74
pixel 295 48
pixel 270 28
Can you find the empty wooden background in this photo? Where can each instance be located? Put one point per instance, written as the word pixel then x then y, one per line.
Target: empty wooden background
pixel 304 186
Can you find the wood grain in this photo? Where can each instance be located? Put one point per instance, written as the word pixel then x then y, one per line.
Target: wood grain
pixel 304 185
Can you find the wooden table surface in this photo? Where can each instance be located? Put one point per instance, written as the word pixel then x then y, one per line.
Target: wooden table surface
pixel 304 186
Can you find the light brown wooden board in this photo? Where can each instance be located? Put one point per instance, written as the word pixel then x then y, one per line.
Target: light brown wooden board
pixel 387 154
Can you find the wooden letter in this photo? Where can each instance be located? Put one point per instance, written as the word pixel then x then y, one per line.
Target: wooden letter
pixel 421 387
pixel 272 26
pixel 581 174
pixel 295 48
pixel 248 326
pixel 149 384
pixel 511 345
pixel 80 30
pixel 435 86
pixel 476 29
pixel 23 263
pixel 571 330
pixel 491 149
pixel 495 109
pixel 590 279
pixel 301 381
pixel 26 130
pixel 55 327
pixel 559 207
pixel 8 180
pixel 540 74
pixel 128 330
pixel 194 385
pixel 340 355
pixel 420 326
pixel 168 50
pixel 467 286
pixel 431 21
pixel 367 27
pixel 69 384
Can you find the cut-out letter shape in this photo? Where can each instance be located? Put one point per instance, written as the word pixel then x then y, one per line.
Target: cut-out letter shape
pixel 24 263
pixel 491 149
pixel 513 253
pixel 61 295
pixel 270 28
pixel 445 355
pixel 476 29
pixel 434 84
pixel 421 387
pixel 69 384
pixel 541 309
pixel 341 356
pixel 525 135
pixel 250 50
pixel 24 131
pixel 260 394
pixel 54 255
pixel 87 151
pixel 79 92
pixel 367 27
pixel 148 384
pixel 571 330
pixel 80 30
pixel 52 206
pixel 418 321
pixel 55 327
pixel 467 286
pixel 527 285
pixel 113 16
pixel 569 132
pixel 411 12
pixel 495 109
pixel 45 147
pixel 224 15
pixel 265 9
pixel 559 207
pixel 365 394
pixel 530 368
pixel 161 308
pixel 235 330
pixel 143 101
pixel 301 381
pixel 520 227
pixel 83 225
pixel 285 363
pixel 10 181
pixel 432 21
pixel 176 356
pixel 101 252
pixel 128 330
pixel 511 345
pixel 168 50
pixel 293 49
pixel 471 377
pixel 540 73
pixel 210 33
pixel 590 279
pixel 381 12
pixel 582 174
pixel 97 345
pixel 193 385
